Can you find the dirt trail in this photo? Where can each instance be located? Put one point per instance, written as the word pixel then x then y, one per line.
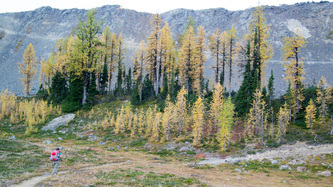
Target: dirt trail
pixel 297 150
pixel 35 180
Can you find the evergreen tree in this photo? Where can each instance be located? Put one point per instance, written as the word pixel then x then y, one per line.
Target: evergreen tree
pixel 58 91
pixel 85 50
pixel 245 93
pixel 262 50
pixel 323 99
pixel 271 88
pixel 147 88
pixel 106 40
pixel 120 76
pixel 129 83
pixel 74 98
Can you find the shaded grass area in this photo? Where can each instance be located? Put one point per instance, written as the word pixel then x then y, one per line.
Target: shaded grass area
pixel 18 157
pixel 120 177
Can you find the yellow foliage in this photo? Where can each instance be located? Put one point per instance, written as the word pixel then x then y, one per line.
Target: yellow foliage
pixel 256 123
pixel 180 110
pixel 283 121
pixel 226 120
pixel 294 70
pixel 215 108
pixel 149 122
pixel 168 115
pixel 28 68
pixel 141 122
pixel 198 121
pixel 119 124
pixel 7 104
pixel 156 127
pixel 310 115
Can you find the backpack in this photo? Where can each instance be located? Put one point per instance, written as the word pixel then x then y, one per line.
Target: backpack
pixel 54 155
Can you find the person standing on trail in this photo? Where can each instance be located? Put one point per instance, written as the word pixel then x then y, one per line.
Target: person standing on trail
pixel 56 157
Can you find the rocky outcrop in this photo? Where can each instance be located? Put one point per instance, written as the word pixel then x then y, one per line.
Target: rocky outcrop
pixel 44 26
pixel 59 121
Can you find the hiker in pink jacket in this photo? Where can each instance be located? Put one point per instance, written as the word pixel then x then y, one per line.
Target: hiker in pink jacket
pixel 56 157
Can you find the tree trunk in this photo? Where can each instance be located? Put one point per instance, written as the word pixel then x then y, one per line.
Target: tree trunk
pixel 85 87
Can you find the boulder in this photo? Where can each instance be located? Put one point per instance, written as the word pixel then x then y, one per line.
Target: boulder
pixel 59 121
pixel 274 162
pixel 285 167
pixel 47 142
pixel 301 168
pixel 325 173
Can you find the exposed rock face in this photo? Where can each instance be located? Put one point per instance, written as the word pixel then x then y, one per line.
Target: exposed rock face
pixel 44 26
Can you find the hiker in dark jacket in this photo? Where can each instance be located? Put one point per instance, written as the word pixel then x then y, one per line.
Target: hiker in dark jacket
pixel 57 162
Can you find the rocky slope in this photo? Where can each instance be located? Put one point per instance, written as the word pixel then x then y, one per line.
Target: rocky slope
pixel 44 26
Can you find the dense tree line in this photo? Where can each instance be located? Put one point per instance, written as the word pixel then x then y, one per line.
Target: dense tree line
pixel 90 64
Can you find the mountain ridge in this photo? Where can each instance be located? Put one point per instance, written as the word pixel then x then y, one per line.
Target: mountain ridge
pixel 44 26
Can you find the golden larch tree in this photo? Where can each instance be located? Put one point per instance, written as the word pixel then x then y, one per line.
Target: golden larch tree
pixel 231 37
pixel 294 70
pixel 262 50
pixel 139 67
pixel 256 123
pixel 187 59
pixel 199 60
pixel 156 127
pixel 310 115
pixel 28 68
pixel 180 109
pixel 167 119
pixel 198 121
pixel 153 47
pixel 215 108
pixel 283 121
pixel 168 56
pixel 226 118
pixel 218 49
